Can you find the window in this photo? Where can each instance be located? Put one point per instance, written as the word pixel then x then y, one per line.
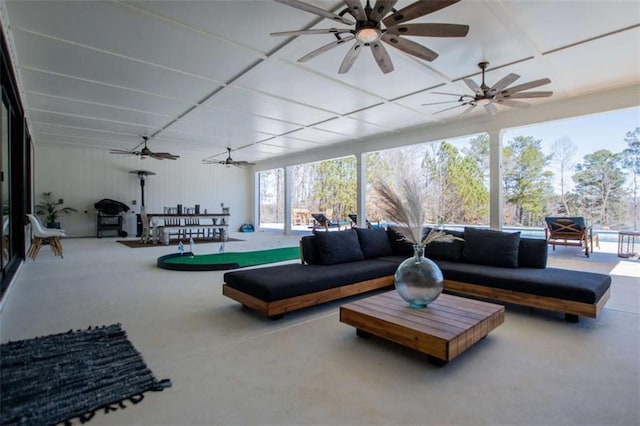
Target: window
pixel 586 166
pixel 455 175
pixel 271 190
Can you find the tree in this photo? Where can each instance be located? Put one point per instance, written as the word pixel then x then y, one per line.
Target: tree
pixel 600 185
pixel 455 183
pixel 334 186
pixel 379 169
pixel 631 162
pixel 527 185
pixel 563 151
pixel 301 185
pixel 478 151
pixel 271 196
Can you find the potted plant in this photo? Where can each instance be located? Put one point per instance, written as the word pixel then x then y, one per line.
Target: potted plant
pixel 51 209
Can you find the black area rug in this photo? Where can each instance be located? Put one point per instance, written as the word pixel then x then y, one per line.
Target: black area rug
pixel 53 379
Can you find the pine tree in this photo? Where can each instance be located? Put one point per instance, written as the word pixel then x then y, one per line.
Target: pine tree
pixel 526 183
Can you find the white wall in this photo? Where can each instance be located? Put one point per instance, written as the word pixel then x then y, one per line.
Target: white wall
pixel 83 176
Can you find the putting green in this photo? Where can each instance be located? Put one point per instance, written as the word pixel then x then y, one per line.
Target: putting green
pixel 219 261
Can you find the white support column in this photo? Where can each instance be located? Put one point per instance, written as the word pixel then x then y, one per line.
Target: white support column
pixel 256 200
pixel 496 194
pixel 287 201
pixel 361 188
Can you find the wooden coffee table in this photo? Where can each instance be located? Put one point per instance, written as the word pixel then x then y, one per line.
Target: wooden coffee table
pixel 443 330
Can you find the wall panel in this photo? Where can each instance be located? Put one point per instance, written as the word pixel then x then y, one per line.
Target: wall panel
pixel 83 176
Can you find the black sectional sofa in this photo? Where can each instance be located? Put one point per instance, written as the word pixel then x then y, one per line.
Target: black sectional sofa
pixel 494 265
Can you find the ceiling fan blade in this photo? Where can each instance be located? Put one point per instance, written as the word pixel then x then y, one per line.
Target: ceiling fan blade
pixel 526 86
pixel 438 103
pixel 416 10
pixel 382 57
pixel 491 109
pixel 449 94
pixel 515 104
pixel 315 10
pixel 325 48
pixel 311 32
pixel 410 47
pixel 430 30
pixel 472 106
pixel 350 57
pixel 121 151
pixel 168 156
pixel 380 9
pixel 473 86
pixel 504 82
pixel 356 10
pixel 453 107
pixel 526 95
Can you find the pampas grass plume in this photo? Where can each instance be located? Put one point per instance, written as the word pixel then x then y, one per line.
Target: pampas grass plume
pixel 407 212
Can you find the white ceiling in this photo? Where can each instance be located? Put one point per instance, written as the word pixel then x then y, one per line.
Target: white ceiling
pixel 199 76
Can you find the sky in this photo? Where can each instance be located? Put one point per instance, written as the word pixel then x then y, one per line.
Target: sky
pixel 588 133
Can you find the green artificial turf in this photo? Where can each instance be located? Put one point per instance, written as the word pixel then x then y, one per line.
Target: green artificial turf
pixel 243 259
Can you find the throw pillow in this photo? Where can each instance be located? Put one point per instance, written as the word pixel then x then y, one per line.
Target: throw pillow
pixel 492 248
pixel 445 251
pixel 399 244
pixel 374 242
pixel 309 248
pixel 533 253
pixel 338 247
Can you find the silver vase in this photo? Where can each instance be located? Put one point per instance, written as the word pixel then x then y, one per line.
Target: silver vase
pixel 418 280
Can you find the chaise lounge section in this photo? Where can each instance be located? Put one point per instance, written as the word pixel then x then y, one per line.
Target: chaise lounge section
pixel 494 265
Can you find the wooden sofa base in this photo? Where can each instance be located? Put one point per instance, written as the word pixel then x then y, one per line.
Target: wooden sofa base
pixel 275 310
pixel 278 308
pixel 570 308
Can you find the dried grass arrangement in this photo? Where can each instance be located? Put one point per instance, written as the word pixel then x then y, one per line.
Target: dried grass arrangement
pixel 406 210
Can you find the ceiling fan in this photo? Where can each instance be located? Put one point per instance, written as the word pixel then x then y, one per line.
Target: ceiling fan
pixel 146 152
pixel 499 93
pixel 229 161
pixel 368 31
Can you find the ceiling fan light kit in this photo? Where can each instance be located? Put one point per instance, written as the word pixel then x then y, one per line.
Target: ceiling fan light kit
pixel 500 93
pixel 380 23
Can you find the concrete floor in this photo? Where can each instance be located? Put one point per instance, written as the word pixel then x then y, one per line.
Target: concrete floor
pixel 230 366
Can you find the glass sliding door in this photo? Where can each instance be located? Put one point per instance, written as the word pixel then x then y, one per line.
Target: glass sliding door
pixel 5 177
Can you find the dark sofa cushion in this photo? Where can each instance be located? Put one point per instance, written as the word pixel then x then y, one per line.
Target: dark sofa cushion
pixel 374 242
pixel 445 251
pixel 310 254
pixel 489 247
pixel 283 281
pixel 578 286
pixel 338 247
pixel 399 244
pixel 532 253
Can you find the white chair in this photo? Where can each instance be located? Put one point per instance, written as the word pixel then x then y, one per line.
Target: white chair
pixel 147 234
pixel 40 234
